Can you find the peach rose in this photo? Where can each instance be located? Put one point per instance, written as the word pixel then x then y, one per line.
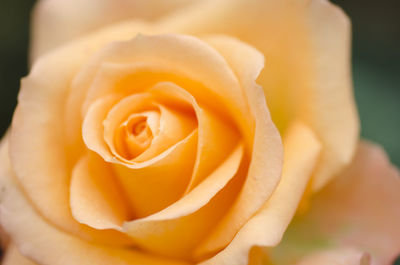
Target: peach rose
pixel 148 132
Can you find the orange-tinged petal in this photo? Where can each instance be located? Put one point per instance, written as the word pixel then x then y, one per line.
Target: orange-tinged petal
pixel 79 83
pixel 136 133
pixel 95 196
pixel 174 127
pixel 153 185
pixel 308 65
pixel 268 225
pixel 359 209
pixel 14 257
pixel 56 22
pixel 217 136
pixel 177 229
pixel 130 67
pixel 266 154
pixel 43 165
pixel 45 244
pixel 93 128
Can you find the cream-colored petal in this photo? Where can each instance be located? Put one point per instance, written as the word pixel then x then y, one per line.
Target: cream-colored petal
pixel 129 67
pixel 360 208
pixel 40 154
pixel 177 229
pixel 80 82
pixel 153 185
pixel 56 22
pixel 217 137
pixel 174 127
pixel 96 198
pixel 45 244
pixel 136 133
pixel 93 128
pixel 14 257
pixel 266 157
pixel 267 227
pixel 106 114
pixel 306 44
pixel 104 117
pixel 337 257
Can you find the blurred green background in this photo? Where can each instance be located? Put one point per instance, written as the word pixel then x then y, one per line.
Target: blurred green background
pixel 376 64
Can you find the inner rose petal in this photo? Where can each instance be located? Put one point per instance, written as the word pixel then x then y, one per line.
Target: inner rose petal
pixel 95 195
pixel 217 136
pixel 131 67
pixel 183 119
pixel 120 126
pixel 135 135
pixel 151 187
pixel 152 147
pixel 173 126
pixel 184 224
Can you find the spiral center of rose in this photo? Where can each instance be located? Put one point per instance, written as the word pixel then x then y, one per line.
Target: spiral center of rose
pixel 135 134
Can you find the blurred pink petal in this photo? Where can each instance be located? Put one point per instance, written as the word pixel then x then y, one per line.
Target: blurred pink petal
pixel 337 257
pixel 360 209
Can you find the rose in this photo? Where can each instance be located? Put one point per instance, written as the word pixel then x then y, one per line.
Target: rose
pixel 211 88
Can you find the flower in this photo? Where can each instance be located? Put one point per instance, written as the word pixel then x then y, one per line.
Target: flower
pixel 155 136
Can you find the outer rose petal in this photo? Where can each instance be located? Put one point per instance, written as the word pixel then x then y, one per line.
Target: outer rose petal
pixel 14 257
pixel 359 209
pixel 337 257
pixel 267 226
pixel 47 245
pixel 306 46
pixel 58 21
pixel 39 116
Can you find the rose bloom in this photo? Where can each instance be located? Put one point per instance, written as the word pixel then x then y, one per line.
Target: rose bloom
pixel 150 132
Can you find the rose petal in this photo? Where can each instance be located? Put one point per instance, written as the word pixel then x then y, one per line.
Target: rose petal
pixel 330 33
pixel 14 257
pixel 96 198
pixel 157 183
pixel 359 209
pixel 130 67
pixel 38 147
pixel 175 218
pixel 265 166
pixel 44 243
pixel 306 45
pixel 93 128
pixel 106 114
pixel 115 58
pixel 267 226
pixel 163 175
pixel 56 22
pixel 337 257
pixel 217 137
pixel 181 226
pixel 174 126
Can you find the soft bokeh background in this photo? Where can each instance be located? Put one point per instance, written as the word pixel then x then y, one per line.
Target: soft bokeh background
pixel 376 64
